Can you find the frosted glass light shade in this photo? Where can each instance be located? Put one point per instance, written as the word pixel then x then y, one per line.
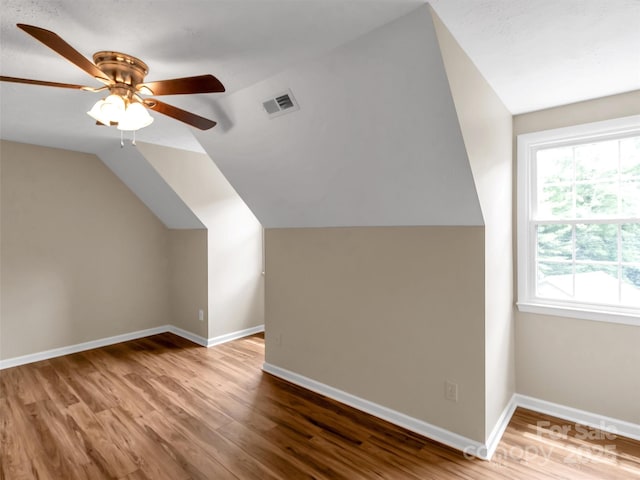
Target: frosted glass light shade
pixel 113 107
pixel 97 114
pixel 135 117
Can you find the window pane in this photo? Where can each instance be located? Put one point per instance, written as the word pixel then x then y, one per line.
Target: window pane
pixel 596 199
pixel 554 165
pixel 630 288
pixel 630 242
pixel 630 193
pixel 555 201
pixel 582 204
pixel 597 284
pixel 554 171
pixel 630 157
pixel 555 280
pixel 597 242
pixel 597 160
pixel 555 242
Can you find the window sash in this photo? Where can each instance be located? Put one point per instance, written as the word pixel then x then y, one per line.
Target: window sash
pixel 619 264
pixel 529 220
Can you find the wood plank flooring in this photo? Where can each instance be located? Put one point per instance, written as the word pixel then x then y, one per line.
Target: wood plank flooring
pixel 163 408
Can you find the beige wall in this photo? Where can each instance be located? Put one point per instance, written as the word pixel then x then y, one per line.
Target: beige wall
pixel 236 284
pixel 386 314
pixel 188 279
pixel 487 131
pixel 606 108
pixel 82 258
pixel 580 363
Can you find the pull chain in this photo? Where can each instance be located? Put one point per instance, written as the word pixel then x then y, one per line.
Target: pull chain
pixel 133 142
pixel 121 138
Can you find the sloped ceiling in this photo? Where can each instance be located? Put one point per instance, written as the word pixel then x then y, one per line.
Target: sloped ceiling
pixel 538 54
pixel 535 54
pixel 376 141
pixel 133 168
pixel 240 41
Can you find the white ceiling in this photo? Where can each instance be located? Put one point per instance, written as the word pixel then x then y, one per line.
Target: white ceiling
pixel 241 42
pixel 356 153
pixel 543 53
pixel 535 53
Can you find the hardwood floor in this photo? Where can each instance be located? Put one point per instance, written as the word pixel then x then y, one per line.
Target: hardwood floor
pixel 163 408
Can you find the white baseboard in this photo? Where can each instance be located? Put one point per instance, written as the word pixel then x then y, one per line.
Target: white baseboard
pixel 459 442
pixel 425 429
pixel 472 447
pixel 234 335
pixel 103 342
pixel 188 335
pixel 80 347
pixel 601 422
pixel 498 430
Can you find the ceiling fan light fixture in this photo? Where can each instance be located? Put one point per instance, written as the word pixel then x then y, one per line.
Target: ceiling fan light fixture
pixel 135 117
pixel 97 114
pixel 123 75
pixel 113 107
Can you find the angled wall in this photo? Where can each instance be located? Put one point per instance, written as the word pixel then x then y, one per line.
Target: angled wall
pixel 130 166
pixel 487 129
pixel 233 240
pixel 376 141
pixel 186 254
pixel 374 239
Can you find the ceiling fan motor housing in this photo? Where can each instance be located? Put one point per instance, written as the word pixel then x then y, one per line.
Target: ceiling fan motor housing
pixel 123 75
pixel 125 70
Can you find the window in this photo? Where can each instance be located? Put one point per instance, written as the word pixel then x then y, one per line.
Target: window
pixel 579 221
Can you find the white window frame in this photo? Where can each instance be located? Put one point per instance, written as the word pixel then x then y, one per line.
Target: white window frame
pixel 527 145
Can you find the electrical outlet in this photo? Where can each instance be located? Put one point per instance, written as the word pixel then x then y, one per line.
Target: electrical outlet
pixel 201 315
pixel 451 391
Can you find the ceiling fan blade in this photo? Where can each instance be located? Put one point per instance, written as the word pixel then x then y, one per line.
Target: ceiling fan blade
pixel 58 45
pixel 179 114
pixel 41 82
pixel 178 86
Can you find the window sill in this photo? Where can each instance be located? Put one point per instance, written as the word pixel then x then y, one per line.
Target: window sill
pixel 580 313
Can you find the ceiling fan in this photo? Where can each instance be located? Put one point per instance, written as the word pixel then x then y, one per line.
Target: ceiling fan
pixel 123 77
